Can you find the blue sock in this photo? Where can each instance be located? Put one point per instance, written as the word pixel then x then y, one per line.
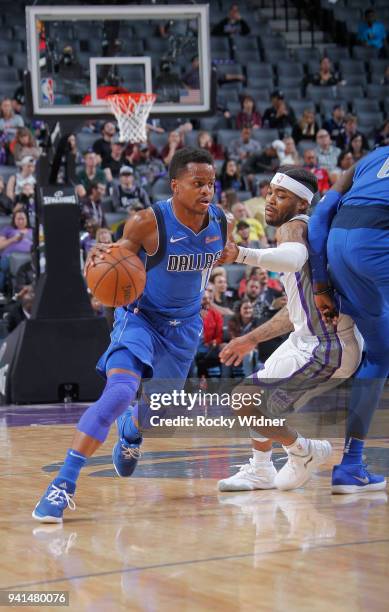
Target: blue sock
pixel 71 468
pixel 352 453
pixel 131 432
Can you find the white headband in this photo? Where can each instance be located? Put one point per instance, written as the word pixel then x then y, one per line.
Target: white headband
pixel 287 182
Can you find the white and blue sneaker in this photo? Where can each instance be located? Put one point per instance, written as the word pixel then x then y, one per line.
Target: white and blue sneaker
pixel 126 453
pixel 355 479
pixel 52 504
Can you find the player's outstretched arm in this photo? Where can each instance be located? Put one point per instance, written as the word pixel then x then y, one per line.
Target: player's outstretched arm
pixel 289 256
pixel 236 349
pixel 139 231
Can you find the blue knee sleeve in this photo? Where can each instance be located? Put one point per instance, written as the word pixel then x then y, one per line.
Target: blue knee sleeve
pixel 119 392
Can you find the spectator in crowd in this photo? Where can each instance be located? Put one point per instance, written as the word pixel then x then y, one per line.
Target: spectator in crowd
pixel 114 162
pixel 356 147
pixel 205 141
pixel 102 146
pixel 26 202
pixel 385 78
pixel 9 121
pixel 241 323
pixel 230 177
pixel 5 201
pixel 18 100
pixel 256 206
pixel 327 76
pixel 103 235
pixel 257 232
pixel 311 164
pixel 232 25
pixel 382 137
pixel 24 145
pixel 207 355
pixel 306 128
pixel 244 315
pixel 243 236
pixel 248 116
pixel 67 158
pixel 279 115
pixel 192 77
pixel 147 166
pixel 256 290
pixel 350 130
pixel 19 311
pixel 240 148
pixel 26 175
pixel 127 194
pixel 14 238
pixel 259 274
pixel 336 125
pixel 345 161
pixel 227 199
pixel 26 274
pixel 372 33
pixel 327 153
pixel 287 152
pixel 174 143
pixel 88 238
pixel 91 208
pixel 266 162
pixel 91 173
pixel 222 297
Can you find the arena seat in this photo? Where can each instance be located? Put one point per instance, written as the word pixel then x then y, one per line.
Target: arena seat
pixel 235 273
pixel 5 219
pixel 224 137
pixel 16 260
pixel 365 105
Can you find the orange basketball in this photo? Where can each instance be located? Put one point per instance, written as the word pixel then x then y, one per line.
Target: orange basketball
pixel 118 279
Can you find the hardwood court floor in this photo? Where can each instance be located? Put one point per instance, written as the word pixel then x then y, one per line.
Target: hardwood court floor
pixel 165 540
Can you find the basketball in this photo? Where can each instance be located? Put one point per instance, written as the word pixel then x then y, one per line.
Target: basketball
pixel 118 279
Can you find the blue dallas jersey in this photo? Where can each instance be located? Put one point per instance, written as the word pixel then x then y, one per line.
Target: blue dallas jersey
pixel 371 181
pixel 179 270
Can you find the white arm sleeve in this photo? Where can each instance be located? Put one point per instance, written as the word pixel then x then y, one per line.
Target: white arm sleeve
pixel 287 257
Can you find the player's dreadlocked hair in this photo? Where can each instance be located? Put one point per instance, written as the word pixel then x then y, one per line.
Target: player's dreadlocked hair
pixel 185 156
pixel 304 177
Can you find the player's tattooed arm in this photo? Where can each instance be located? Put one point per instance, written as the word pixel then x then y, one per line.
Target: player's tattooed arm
pixel 236 349
pixel 294 231
pixel 139 231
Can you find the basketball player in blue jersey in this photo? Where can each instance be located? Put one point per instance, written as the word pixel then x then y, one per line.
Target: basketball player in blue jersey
pixel 350 230
pixel 179 240
pixel 316 356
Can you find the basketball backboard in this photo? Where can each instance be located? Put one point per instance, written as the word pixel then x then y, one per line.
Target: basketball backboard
pixel 80 54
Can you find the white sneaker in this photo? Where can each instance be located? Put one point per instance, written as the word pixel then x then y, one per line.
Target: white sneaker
pixel 298 469
pixel 250 477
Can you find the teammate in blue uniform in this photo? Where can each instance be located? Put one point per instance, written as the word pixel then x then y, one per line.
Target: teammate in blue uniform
pixel 179 240
pixel 350 229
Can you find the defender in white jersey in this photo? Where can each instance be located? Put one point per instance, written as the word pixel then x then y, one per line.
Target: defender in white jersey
pixel 315 357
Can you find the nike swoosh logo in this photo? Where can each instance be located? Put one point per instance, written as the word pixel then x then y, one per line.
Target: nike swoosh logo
pixel 364 480
pixel 177 239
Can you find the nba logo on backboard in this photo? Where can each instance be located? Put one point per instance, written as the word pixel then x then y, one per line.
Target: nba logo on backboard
pixel 47 88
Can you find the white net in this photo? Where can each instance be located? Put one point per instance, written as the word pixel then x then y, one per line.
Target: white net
pixel 131 112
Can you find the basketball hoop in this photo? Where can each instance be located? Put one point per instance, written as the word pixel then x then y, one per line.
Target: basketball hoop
pixel 131 111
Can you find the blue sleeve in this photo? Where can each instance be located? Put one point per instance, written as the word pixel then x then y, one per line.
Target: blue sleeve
pixel 318 228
